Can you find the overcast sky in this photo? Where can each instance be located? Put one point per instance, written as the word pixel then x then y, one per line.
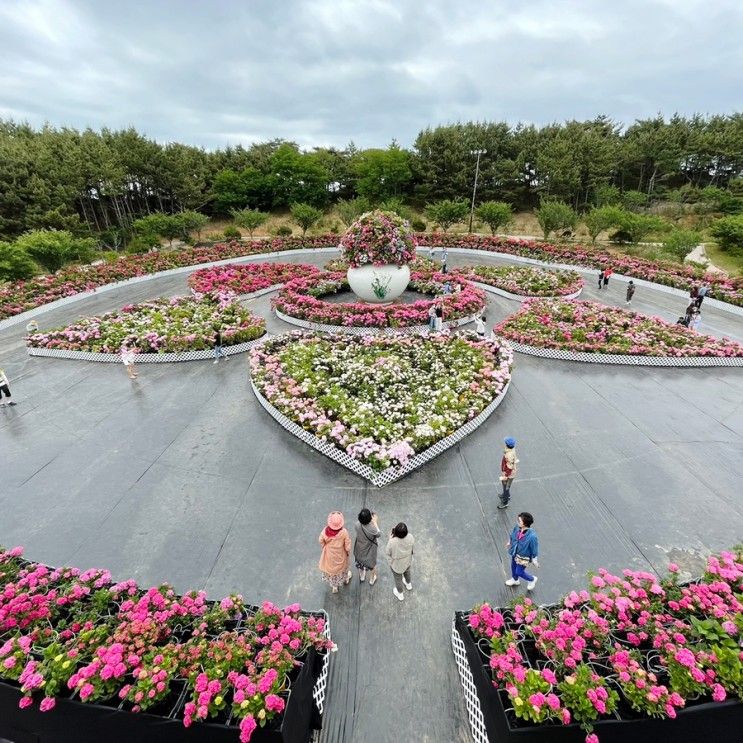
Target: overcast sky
pixel 323 72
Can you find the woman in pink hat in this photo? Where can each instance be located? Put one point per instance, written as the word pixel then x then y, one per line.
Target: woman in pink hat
pixel 336 547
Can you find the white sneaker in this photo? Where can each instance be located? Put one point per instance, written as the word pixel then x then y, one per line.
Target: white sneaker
pixel 513 582
pixel 362 575
pixel 530 585
pixel 399 594
pixel 373 579
pixel 216 361
pixel 407 585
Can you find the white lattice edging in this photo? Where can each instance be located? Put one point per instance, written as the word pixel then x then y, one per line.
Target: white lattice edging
pixel 471 700
pixel 28 314
pixel 380 479
pixel 321 685
pixel 716 303
pixel 144 358
pixel 609 358
pixel 349 330
pixel 520 297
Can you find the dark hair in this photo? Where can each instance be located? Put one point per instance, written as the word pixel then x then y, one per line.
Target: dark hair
pixel 400 531
pixel 364 516
pixel 527 518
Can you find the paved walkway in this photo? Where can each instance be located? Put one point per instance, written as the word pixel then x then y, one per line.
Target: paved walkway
pixel 181 476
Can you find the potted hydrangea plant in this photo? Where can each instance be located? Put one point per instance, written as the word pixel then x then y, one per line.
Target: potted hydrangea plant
pixel 378 247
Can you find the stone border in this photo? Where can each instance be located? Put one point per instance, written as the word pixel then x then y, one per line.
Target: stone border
pixel 608 358
pixel 351 330
pixel 716 303
pixel 471 700
pixel 520 297
pixel 391 474
pixel 145 358
pixel 28 314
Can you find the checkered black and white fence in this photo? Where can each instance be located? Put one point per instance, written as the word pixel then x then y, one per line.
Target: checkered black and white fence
pixel 380 479
pixel 609 358
pixel 471 700
pixel 350 330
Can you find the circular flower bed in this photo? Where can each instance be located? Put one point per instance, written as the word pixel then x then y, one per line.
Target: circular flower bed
pixel 245 278
pixel 526 281
pixel 302 299
pixel 63 629
pixel 594 328
pixel 160 326
pixel 378 238
pixel 380 399
pixel 653 644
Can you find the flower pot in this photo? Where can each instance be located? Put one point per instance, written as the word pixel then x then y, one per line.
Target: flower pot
pixel 378 284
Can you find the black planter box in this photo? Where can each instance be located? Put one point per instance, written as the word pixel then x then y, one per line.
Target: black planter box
pixel 72 721
pixel 714 722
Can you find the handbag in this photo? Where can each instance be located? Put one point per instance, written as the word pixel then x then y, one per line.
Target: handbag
pixel 523 561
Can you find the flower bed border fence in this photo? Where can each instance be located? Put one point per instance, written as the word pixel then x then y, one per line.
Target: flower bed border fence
pixel 363 330
pixel 488 721
pixel 521 297
pixel 391 474
pixel 610 358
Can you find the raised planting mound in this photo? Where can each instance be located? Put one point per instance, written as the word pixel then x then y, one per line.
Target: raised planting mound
pixel 378 238
pixel 629 648
pixel 590 327
pixel 526 281
pixel 302 299
pixel 245 278
pixel 380 400
pixel 65 631
pixel 163 325
pixel 419 265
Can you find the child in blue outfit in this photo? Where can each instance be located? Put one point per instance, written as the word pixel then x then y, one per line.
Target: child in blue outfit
pixel 523 546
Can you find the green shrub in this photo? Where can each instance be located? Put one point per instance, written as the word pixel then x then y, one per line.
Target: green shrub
pixel 141 244
pixel 52 249
pixel 15 263
pixel 602 218
pixel 283 230
pixel 418 225
pixel 728 233
pixel 397 206
pixel 495 214
pixel 249 219
pixel 639 226
pixel 109 256
pixel 232 233
pixel 349 211
pixel 305 215
pixel 447 213
pixel 555 215
pixel 680 243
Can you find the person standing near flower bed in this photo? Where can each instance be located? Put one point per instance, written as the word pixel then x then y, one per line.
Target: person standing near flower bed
pixel 218 350
pixel 480 326
pixel 523 546
pixel 608 271
pixel 336 548
pixel 127 359
pixel 601 278
pixel 630 291
pixel 5 390
pixel 365 545
pixel 400 557
pixel 444 260
pixel 701 294
pixel 508 464
pixel 438 325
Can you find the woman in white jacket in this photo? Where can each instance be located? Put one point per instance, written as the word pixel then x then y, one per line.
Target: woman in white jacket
pixel 400 557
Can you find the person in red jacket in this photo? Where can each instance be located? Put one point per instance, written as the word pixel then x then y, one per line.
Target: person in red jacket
pixel 608 271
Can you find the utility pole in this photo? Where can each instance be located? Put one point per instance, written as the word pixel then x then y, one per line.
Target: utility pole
pixel 474 190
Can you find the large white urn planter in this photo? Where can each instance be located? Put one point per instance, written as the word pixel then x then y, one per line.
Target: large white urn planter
pixel 378 284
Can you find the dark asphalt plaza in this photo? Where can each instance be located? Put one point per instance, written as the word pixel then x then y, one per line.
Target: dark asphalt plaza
pixel 180 476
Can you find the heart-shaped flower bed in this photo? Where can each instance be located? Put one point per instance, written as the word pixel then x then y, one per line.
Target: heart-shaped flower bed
pixel 379 404
pixel 594 328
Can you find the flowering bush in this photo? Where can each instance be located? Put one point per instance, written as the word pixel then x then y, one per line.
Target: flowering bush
pixel 653 643
pixel 667 273
pixel 159 326
pixel 418 265
pixel 380 399
pixel 301 298
pixel 64 631
pixel 595 328
pixel 378 238
pixel 526 281
pixel 245 278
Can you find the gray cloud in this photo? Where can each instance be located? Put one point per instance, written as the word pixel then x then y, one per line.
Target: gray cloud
pixel 323 72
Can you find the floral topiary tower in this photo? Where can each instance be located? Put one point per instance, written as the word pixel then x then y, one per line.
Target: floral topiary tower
pixel 378 247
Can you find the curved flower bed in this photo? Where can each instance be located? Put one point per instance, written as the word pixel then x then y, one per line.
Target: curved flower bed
pixel 378 238
pixel 661 272
pixel 160 326
pixel 302 299
pixel 526 281
pixel 245 278
pixel 64 630
pixel 583 326
pixel 381 399
pixel 633 644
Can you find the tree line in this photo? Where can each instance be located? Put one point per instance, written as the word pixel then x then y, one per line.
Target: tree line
pixel 100 183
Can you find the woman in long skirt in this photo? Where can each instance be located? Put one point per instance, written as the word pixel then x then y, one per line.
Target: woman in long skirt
pixel 336 547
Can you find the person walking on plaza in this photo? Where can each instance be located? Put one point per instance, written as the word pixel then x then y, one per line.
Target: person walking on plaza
pixel 695 320
pixel 336 547
pixel 127 359
pixel 523 547
pixel 480 325
pixel 432 317
pixel 365 545
pixel 218 350
pixel 508 464
pixel 701 294
pixel 608 271
pixel 400 557
pixel 630 291
pixel 444 260
pixel 5 396
pixel 601 278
